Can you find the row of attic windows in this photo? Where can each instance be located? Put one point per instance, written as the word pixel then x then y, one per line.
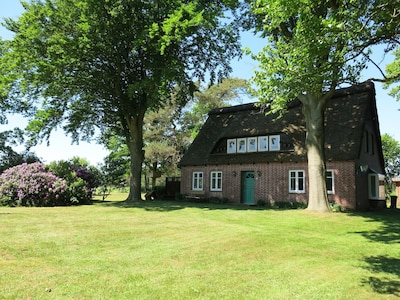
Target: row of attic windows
pixel 264 143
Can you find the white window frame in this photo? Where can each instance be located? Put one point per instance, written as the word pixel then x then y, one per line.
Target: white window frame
pixel 197 181
pixel 231 146
pixel 374 180
pixel 332 177
pixel 297 181
pixel 252 144
pixel 241 145
pixel 263 143
pixel 216 181
pixel 274 142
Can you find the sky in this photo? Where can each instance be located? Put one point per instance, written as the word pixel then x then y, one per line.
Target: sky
pixel 61 147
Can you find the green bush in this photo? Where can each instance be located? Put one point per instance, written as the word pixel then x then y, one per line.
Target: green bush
pixel 81 181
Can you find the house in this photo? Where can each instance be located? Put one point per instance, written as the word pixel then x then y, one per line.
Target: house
pixel 245 155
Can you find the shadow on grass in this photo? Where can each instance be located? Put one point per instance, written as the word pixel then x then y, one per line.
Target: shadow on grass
pixel 386 268
pixel 172 205
pixel 387 280
pixel 389 231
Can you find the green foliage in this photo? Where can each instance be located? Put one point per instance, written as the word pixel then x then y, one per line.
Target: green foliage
pixel 80 177
pixel 87 64
pixel 224 93
pixel 115 169
pixel 313 47
pixel 8 156
pixel 391 155
pixel 393 72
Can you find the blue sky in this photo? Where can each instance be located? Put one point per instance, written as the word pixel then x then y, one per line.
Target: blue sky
pixel 60 145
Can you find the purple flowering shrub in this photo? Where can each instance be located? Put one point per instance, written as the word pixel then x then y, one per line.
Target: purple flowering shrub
pixel 32 185
pixel 81 180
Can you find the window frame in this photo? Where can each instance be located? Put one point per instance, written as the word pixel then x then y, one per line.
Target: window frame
pixel 373 187
pixel 330 192
pixel 197 181
pixel 297 181
pixel 216 181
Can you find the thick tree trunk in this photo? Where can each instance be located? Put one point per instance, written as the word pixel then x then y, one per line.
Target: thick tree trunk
pixel 314 112
pixel 135 146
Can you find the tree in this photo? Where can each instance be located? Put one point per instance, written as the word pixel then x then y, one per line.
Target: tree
pixel 8 156
pixel 391 155
pixel 115 168
pixel 218 95
pixel 313 47
pixel 166 138
pixel 104 64
pixel 393 71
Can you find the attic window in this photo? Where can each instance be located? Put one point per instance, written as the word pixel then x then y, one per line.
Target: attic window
pixel 264 143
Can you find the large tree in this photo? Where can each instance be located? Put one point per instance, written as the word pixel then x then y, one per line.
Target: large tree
pixel 102 64
pixel 313 47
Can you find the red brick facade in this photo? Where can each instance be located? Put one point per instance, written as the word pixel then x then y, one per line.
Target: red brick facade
pixel 271 182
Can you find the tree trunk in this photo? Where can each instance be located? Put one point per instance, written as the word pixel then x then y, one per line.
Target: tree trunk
pixel 314 112
pixel 135 146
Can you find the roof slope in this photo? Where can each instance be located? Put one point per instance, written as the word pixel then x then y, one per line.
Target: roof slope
pixel 345 117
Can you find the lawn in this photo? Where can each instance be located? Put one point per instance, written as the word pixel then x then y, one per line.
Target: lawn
pixel 172 250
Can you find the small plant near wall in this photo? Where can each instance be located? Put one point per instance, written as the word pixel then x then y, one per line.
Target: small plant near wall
pixel 337 207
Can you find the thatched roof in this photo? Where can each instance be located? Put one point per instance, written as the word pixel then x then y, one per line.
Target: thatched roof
pixel 346 114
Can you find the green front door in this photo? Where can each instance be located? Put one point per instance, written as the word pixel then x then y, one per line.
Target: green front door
pixel 248 187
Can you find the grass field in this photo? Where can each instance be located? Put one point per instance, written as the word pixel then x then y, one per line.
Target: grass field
pixel 171 250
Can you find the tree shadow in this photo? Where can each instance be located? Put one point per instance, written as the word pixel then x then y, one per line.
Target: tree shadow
pixel 389 283
pixel 386 268
pixel 388 232
pixel 173 205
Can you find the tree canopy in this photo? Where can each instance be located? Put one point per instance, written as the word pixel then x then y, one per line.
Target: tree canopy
pixel 92 66
pixel 391 154
pixel 313 47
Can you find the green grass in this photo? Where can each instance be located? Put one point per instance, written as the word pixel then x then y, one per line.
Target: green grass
pixel 171 250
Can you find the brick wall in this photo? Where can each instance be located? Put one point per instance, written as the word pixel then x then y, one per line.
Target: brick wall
pixel 271 182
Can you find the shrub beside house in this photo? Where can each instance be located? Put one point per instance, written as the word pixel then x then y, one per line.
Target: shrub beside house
pixel 246 156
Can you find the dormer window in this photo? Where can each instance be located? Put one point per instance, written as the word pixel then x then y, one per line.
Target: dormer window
pixel 253 144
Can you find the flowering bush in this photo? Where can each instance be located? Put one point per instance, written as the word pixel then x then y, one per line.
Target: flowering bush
pixel 81 180
pixel 32 185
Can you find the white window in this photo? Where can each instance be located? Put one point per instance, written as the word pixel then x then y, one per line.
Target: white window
pixel 197 181
pixel 216 181
pixel 263 143
pixel 231 146
pixel 330 181
pixel 252 144
pixel 241 145
pixel 376 188
pixel 296 181
pixel 274 142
